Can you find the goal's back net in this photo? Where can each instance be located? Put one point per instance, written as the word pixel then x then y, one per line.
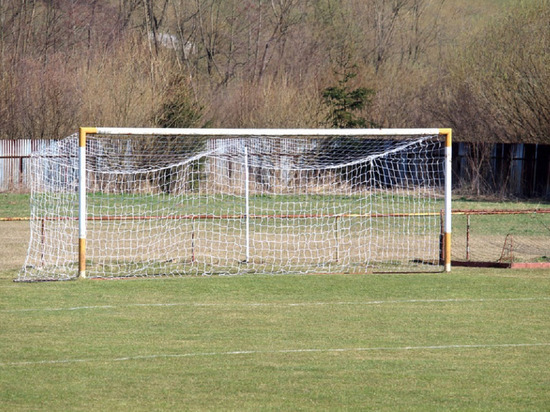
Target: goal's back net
pixel 174 202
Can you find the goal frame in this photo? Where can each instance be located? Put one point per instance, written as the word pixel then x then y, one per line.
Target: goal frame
pixel 120 131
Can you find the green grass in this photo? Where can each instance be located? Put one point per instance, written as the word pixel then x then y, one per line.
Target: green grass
pixel 464 203
pixel 14 205
pixel 18 205
pixel 521 225
pixel 471 340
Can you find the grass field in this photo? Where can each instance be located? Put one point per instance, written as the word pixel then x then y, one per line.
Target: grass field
pixel 471 340
pixel 475 339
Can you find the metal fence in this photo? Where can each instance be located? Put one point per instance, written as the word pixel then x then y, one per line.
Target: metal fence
pixel 503 169
pixel 515 169
pixel 14 162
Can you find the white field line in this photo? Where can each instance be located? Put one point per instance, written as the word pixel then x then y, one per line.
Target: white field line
pixel 279 304
pixel 273 352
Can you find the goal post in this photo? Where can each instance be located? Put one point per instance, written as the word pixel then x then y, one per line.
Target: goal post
pixel 155 201
pixel 448 133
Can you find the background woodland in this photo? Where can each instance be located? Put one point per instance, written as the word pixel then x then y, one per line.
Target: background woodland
pixel 478 66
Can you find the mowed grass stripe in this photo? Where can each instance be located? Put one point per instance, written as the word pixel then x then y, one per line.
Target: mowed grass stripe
pixel 137 329
pixel 276 304
pixel 282 351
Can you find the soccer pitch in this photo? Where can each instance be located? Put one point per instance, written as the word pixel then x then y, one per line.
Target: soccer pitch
pixel 475 339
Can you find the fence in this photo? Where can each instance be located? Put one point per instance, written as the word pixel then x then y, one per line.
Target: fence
pixel 521 170
pixel 14 161
pixel 517 169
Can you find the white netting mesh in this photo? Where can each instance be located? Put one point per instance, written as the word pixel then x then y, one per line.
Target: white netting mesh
pixel 175 205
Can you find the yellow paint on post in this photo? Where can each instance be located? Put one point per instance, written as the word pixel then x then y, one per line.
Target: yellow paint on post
pixel 447 252
pixel 83 132
pixel 82 258
pixel 448 133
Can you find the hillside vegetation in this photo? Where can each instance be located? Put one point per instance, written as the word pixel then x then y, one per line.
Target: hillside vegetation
pixel 481 67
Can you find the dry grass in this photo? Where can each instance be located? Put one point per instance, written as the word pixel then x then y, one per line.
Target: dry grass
pixel 14 239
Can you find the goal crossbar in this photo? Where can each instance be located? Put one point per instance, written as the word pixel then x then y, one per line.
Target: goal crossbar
pixel 128 131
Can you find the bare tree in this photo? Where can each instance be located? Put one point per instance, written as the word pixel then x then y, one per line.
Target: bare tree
pixel 385 17
pixel 507 70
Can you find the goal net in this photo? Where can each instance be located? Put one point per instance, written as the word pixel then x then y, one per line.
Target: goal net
pixel 116 202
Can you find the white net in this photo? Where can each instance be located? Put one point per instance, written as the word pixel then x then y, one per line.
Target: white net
pixel 180 205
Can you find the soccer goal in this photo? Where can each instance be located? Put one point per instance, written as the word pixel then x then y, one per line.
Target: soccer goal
pixel 119 202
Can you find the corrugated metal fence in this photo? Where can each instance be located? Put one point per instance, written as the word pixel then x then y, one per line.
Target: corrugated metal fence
pixel 14 161
pixel 521 170
pixel 525 169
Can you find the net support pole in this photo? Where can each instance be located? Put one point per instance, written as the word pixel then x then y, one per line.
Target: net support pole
pixel 448 191
pixel 247 204
pixel 82 215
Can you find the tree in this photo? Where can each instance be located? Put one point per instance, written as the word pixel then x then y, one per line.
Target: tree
pixel 518 83
pixel 505 76
pixel 179 110
pixel 344 102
